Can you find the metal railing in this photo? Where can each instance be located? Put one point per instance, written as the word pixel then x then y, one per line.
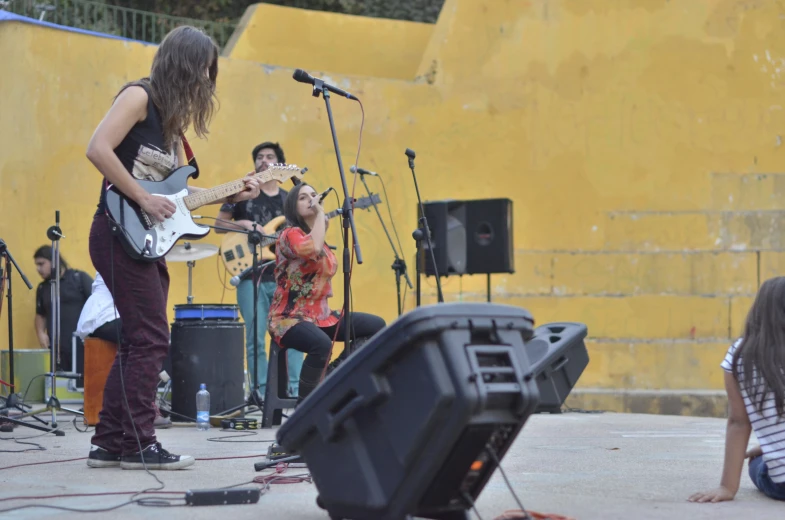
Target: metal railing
pixel 111 19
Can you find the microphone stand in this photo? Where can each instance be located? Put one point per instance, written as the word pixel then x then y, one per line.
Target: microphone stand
pixel 418 235
pixel 320 87
pixel 13 400
pixel 255 398
pixel 54 233
pixel 399 265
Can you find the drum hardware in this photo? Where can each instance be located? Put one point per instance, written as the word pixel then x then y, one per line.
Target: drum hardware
pixel 190 253
pixel 206 311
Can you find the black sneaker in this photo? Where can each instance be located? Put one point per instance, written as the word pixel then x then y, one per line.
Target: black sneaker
pixel 101 458
pixel 156 458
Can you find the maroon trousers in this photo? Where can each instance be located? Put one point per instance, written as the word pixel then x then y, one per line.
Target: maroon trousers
pixel 140 292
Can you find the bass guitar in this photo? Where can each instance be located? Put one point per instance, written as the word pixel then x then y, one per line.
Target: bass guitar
pixel 237 254
pixel 144 238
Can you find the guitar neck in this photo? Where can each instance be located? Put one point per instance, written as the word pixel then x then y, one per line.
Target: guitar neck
pixel 201 198
pixel 208 196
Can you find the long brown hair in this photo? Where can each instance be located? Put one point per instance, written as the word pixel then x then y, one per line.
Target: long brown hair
pixel 762 350
pixel 182 92
pixel 293 216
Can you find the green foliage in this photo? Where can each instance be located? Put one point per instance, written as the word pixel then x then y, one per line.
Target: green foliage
pixel 231 10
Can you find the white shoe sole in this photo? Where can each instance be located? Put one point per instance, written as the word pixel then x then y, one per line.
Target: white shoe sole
pixel 103 463
pixel 184 462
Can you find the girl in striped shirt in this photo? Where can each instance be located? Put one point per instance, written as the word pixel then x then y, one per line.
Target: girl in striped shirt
pixel 756 402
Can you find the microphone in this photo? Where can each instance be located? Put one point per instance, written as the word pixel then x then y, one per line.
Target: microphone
pixel 410 154
pixel 236 279
pixel 362 171
pixel 323 195
pixel 303 77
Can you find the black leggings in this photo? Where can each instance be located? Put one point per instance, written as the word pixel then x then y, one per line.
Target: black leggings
pixel 316 342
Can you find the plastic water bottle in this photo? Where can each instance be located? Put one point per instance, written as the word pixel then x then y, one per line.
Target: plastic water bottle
pixel 202 408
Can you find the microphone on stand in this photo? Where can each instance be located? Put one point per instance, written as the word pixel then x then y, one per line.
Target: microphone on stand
pixel 236 279
pixel 303 77
pixel 362 171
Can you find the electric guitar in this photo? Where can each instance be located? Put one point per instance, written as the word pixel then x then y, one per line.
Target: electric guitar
pixel 145 238
pixel 237 254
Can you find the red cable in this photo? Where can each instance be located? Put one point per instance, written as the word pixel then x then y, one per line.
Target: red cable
pixel 108 493
pixel 275 478
pixel 517 514
pixel 85 458
pixel 38 463
pixel 271 478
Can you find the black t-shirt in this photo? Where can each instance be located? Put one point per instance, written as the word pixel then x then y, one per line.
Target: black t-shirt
pixel 143 151
pixel 75 289
pixel 261 210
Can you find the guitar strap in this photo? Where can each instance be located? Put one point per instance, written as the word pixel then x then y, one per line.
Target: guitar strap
pixel 189 155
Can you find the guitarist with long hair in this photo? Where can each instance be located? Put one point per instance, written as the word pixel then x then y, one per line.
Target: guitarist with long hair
pixel 261 210
pixel 141 138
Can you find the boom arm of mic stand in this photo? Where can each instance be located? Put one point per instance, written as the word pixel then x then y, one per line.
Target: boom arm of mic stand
pixel 347 217
pixel 4 251
pixel 235 230
pixel 319 86
pixel 399 263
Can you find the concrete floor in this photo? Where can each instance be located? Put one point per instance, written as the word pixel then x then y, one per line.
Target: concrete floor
pixel 586 466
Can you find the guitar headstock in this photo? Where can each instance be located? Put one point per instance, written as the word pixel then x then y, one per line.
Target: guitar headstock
pixel 367 202
pixel 282 172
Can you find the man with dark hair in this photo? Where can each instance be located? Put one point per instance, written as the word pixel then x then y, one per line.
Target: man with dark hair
pixel 261 210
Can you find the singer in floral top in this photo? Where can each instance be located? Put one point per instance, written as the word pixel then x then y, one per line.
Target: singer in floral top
pixel 300 317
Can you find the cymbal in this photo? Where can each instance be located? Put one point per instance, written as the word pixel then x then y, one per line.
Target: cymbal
pixel 187 252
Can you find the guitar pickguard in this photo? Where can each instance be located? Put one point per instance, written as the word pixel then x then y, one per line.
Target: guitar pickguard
pixel 180 224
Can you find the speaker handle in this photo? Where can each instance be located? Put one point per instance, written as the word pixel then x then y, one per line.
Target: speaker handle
pixel 371 391
pixel 335 421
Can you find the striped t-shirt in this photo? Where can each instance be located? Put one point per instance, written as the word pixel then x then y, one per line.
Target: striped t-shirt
pixel 768 427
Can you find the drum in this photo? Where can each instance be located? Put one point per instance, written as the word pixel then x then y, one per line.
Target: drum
pixel 207 346
pixel 98 360
pixel 206 311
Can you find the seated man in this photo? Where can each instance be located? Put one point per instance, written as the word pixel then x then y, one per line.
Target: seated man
pixel 100 319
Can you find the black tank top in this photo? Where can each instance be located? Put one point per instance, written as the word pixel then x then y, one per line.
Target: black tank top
pixel 143 151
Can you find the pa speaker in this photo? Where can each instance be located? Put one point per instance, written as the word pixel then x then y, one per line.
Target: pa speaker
pixel 413 422
pixel 558 356
pixel 447 223
pixel 489 233
pixel 468 237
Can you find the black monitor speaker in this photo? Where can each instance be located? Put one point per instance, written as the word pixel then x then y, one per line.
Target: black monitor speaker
pixel 414 421
pixel 447 223
pixel 469 237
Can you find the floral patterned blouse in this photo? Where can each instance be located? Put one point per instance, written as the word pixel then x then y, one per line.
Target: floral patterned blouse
pixel 303 276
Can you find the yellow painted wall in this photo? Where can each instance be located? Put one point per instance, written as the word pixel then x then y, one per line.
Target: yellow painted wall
pixel 641 143
pixel 335 43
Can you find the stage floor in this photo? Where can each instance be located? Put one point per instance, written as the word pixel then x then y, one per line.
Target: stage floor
pixel 588 466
